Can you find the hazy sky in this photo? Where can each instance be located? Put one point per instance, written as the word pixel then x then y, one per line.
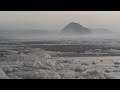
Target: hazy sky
pixel 58 19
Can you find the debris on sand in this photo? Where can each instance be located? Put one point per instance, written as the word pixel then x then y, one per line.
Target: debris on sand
pixel 42 74
pixel 95 74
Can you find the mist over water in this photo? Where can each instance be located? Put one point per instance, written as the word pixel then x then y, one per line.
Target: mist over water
pixel 53 35
pixel 31 25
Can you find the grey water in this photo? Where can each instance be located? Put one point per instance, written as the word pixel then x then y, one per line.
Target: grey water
pixel 52 35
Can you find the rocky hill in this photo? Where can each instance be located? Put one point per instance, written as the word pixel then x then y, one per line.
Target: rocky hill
pixel 75 28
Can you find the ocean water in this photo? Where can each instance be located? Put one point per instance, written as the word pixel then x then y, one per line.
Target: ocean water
pixel 40 35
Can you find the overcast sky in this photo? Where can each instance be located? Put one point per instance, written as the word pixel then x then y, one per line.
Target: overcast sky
pixel 58 19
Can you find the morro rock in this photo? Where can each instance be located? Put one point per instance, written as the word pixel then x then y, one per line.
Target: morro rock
pixel 75 28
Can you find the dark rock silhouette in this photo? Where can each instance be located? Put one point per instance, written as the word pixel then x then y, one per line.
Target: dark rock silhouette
pixel 75 28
